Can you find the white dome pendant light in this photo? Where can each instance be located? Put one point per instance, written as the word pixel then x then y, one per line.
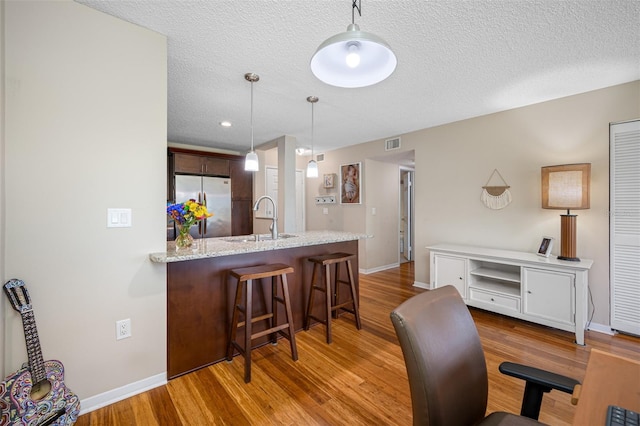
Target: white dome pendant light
pixel 312 167
pixel 251 160
pixel 353 58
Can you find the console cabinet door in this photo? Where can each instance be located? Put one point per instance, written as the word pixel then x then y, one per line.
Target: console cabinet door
pixel 549 295
pixel 450 270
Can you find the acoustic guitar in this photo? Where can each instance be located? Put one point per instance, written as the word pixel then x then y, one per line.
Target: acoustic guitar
pixel 35 395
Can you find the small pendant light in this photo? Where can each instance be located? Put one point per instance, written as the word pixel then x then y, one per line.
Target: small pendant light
pixel 251 160
pixel 312 167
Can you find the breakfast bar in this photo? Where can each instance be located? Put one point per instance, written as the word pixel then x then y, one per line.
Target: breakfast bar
pixel 200 295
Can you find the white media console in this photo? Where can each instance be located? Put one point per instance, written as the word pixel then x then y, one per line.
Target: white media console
pixel 523 285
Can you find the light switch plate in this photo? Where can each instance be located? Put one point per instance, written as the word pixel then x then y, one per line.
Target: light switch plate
pixel 119 218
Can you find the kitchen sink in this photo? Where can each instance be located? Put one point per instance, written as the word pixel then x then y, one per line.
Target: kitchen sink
pixel 261 237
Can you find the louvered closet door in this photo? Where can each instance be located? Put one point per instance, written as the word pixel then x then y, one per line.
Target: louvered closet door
pixel 625 226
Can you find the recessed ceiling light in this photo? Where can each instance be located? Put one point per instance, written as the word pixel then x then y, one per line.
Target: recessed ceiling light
pixel 225 123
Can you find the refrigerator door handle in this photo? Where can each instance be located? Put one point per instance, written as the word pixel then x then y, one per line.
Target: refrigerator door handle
pixel 200 233
pixel 204 203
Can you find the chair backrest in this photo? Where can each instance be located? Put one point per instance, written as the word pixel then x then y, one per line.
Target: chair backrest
pixel 444 358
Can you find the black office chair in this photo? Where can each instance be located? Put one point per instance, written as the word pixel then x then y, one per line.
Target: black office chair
pixel 447 369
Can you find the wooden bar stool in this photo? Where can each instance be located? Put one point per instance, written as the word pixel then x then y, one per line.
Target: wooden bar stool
pixel 245 277
pixel 332 294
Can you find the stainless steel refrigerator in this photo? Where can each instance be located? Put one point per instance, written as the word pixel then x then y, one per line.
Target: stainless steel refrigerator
pixel 215 193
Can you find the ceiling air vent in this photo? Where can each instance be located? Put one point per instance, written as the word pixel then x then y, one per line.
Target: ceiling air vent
pixel 320 158
pixel 391 144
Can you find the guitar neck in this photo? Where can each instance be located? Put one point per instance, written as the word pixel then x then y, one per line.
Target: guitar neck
pixel 34 351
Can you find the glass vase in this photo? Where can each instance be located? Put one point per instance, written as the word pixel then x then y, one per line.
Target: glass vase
pixel 184 238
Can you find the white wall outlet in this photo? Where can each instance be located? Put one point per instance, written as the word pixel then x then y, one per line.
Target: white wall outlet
pixel 123 329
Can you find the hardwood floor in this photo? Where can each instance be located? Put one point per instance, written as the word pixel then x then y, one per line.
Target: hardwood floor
pixel 360 379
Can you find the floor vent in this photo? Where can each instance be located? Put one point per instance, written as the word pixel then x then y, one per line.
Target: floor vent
pixel 391 144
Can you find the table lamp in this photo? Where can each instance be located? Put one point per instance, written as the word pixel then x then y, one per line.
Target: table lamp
pixel 566 187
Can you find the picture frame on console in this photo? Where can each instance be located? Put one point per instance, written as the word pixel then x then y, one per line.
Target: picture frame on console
pixel 545 246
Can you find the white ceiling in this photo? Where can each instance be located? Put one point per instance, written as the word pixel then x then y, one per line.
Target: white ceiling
pixel 456 59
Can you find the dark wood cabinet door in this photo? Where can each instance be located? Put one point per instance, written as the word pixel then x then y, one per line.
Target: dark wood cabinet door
pixel 241 181
pixel 187 163
pixel 194 164
pixel 241 217
pixel 213 166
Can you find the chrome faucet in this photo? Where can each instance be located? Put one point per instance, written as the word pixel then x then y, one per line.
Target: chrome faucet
pixel 274 225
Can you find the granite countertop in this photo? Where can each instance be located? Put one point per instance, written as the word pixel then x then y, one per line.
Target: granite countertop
pixel 227 246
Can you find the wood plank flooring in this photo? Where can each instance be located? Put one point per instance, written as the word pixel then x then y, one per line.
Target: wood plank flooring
pixel 360 379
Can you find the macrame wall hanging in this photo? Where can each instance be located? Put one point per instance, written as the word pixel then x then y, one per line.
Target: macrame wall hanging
pixel 496 197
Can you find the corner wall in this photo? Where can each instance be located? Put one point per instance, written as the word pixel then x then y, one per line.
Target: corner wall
pixel 455 160
pixel 86 131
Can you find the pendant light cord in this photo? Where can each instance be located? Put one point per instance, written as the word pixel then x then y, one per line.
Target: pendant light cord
pixel 355 6
pixel 252 116
pixel 312 127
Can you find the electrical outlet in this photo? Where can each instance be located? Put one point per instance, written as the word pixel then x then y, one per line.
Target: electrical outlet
pixel 123 329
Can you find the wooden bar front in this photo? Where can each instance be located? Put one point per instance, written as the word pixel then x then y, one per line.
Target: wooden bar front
pixel 200 300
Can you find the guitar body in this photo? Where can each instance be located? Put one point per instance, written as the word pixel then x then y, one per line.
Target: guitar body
pixel 36 394
pixel 59 406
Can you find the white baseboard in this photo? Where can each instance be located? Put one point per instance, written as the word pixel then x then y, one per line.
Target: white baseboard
pixel 378 269
pixel 601 329
pixel 102 400
pixel 422 285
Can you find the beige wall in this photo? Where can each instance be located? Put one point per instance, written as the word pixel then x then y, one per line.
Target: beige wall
pixel 85 130
pixel 454 161
pixel 3 371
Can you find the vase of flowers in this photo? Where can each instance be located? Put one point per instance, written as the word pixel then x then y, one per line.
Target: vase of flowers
pixel 185 216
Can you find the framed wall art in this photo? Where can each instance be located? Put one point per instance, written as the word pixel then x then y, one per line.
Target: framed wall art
pixel 350 183
pixel 329 180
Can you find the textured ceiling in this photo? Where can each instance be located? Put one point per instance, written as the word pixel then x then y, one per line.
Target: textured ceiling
pixel 456 59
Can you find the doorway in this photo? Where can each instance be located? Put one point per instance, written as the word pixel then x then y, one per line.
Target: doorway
pixel 406 224
pixel 271 182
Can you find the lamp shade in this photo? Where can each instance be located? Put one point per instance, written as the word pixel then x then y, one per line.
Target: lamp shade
pixel 566 187
pixel 312 169
pixel 336 59
pixel 251 162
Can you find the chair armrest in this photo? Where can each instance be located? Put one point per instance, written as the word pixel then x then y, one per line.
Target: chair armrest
pixel 538 382
pixel 539 377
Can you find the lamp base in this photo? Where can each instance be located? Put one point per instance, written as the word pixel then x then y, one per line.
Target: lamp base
pixel 568 238
pixel 571 259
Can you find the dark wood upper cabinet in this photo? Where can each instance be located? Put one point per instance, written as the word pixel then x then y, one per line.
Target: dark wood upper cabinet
pixel 205 165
